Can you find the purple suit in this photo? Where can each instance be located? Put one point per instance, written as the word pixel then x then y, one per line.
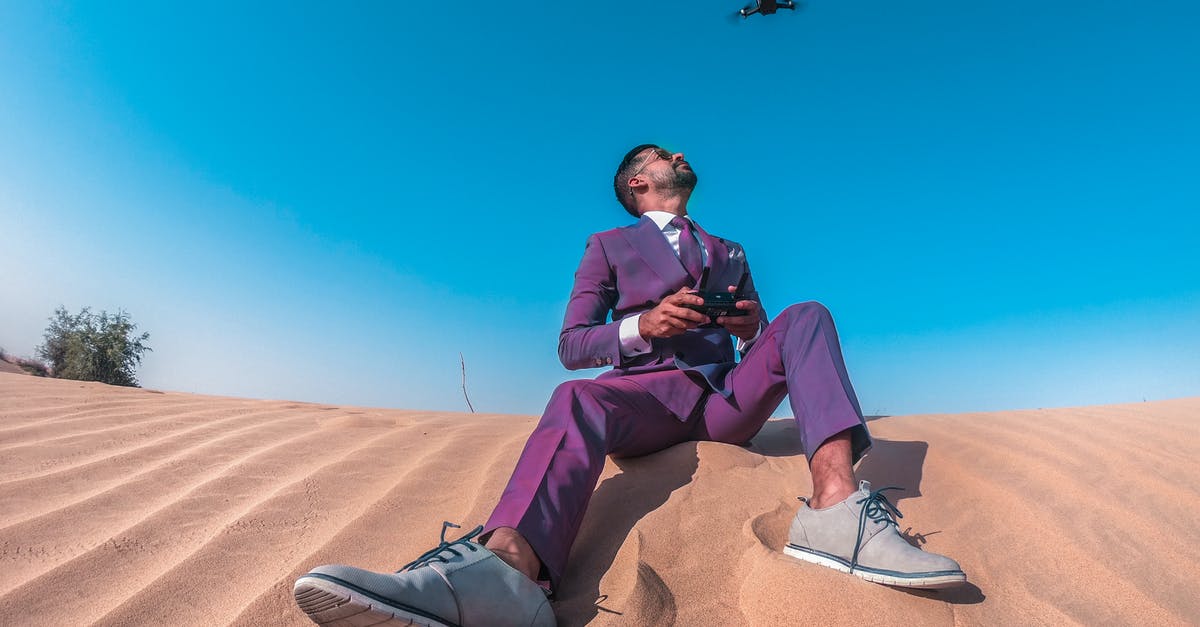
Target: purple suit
pixel 688 387
pixel 647 269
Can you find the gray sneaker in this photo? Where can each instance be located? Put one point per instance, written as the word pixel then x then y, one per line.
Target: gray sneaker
pixel 859 536
pixel 455 584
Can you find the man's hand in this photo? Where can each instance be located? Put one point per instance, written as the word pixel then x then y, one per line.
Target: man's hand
pixel 744 327
pixel 670 318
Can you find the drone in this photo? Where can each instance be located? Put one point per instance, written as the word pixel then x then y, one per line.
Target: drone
pixel 767 7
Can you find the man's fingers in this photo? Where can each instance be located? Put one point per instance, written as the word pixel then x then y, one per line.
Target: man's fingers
pixel 685 294
pixel 685 314
pixel 748 305
pixel 675 326
pixel 684 298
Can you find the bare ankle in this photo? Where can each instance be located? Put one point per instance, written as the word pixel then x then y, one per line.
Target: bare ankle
pixel 832 471
pixel 830 497
pixel 512 549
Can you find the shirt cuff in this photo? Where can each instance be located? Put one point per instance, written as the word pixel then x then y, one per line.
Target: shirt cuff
pixel 632 342
pixel 744 345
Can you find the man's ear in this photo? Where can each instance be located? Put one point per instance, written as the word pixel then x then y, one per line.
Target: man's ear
pixel 637 182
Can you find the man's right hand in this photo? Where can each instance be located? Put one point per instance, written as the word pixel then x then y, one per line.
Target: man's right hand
pixel 670 318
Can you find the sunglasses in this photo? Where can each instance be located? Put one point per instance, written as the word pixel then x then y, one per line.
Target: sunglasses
pixel 661 153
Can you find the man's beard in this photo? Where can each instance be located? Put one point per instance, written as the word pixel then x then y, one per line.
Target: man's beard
pixel 674 181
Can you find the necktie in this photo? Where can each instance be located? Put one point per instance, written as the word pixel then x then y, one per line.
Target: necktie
pixel 689 248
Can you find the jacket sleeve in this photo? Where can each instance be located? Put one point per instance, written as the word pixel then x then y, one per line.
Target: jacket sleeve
pixel 587 340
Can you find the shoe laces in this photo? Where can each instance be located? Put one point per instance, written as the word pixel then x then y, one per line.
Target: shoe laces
pixel 438 553
pixel 877 508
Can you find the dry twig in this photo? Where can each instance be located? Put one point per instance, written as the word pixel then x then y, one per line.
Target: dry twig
pixel 464 381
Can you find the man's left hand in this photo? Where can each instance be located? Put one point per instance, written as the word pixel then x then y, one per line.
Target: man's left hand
pixel 744 327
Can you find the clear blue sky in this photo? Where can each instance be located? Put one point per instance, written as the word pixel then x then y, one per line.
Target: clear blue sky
pixel 997 200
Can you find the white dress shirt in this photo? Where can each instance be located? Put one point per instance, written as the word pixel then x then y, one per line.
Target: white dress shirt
pixel 631 340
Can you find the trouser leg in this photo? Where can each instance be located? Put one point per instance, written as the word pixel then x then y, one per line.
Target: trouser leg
pixel 549 490
pixel 797 355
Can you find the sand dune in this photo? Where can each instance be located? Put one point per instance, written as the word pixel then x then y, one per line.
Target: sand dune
pixel 127 507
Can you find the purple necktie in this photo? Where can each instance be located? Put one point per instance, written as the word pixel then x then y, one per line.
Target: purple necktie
pixel 689 248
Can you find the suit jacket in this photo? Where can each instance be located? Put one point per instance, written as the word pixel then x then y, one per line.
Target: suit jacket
pixel 628 270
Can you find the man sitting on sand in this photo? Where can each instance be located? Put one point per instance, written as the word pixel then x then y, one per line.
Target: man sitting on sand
pixel 673 379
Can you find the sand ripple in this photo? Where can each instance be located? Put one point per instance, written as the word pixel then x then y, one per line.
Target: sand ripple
pixel 126 506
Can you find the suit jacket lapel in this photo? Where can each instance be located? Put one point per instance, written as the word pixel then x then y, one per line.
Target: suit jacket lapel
pixel 649 242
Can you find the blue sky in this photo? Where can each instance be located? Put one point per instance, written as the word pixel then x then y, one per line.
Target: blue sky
pixel 997 200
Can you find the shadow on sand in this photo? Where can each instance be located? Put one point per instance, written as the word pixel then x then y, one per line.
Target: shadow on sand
pixel 646 482
pixel 619 502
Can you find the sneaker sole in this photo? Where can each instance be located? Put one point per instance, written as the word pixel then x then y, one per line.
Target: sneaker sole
pixel 329 603
pixel 925 581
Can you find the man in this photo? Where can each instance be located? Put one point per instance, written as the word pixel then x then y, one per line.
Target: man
pixel 673 379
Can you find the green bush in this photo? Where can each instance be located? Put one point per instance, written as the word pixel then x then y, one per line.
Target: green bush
pixel 91 347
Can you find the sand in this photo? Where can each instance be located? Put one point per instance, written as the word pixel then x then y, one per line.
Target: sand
pixel 124 506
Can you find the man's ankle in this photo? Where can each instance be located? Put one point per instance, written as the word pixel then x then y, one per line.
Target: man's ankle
pixel 518 564
pixel 832 471
pixel 512 549
pixel 829 497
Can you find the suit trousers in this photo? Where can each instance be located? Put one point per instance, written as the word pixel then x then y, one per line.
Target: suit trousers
pixel 798 355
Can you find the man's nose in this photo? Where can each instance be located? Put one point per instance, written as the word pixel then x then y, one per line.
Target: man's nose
pixel 677 157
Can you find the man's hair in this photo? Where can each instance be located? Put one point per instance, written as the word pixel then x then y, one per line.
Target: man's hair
pixel 624 173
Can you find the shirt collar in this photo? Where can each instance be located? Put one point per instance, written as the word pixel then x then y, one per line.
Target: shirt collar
pixel 663 218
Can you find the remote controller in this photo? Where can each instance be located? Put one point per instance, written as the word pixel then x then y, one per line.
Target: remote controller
pixel 719 303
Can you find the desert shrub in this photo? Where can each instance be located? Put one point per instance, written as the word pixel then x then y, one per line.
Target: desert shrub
pixel 93 347
pixel 33 366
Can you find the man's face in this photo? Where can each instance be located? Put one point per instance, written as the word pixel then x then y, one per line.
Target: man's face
pixel 670 172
